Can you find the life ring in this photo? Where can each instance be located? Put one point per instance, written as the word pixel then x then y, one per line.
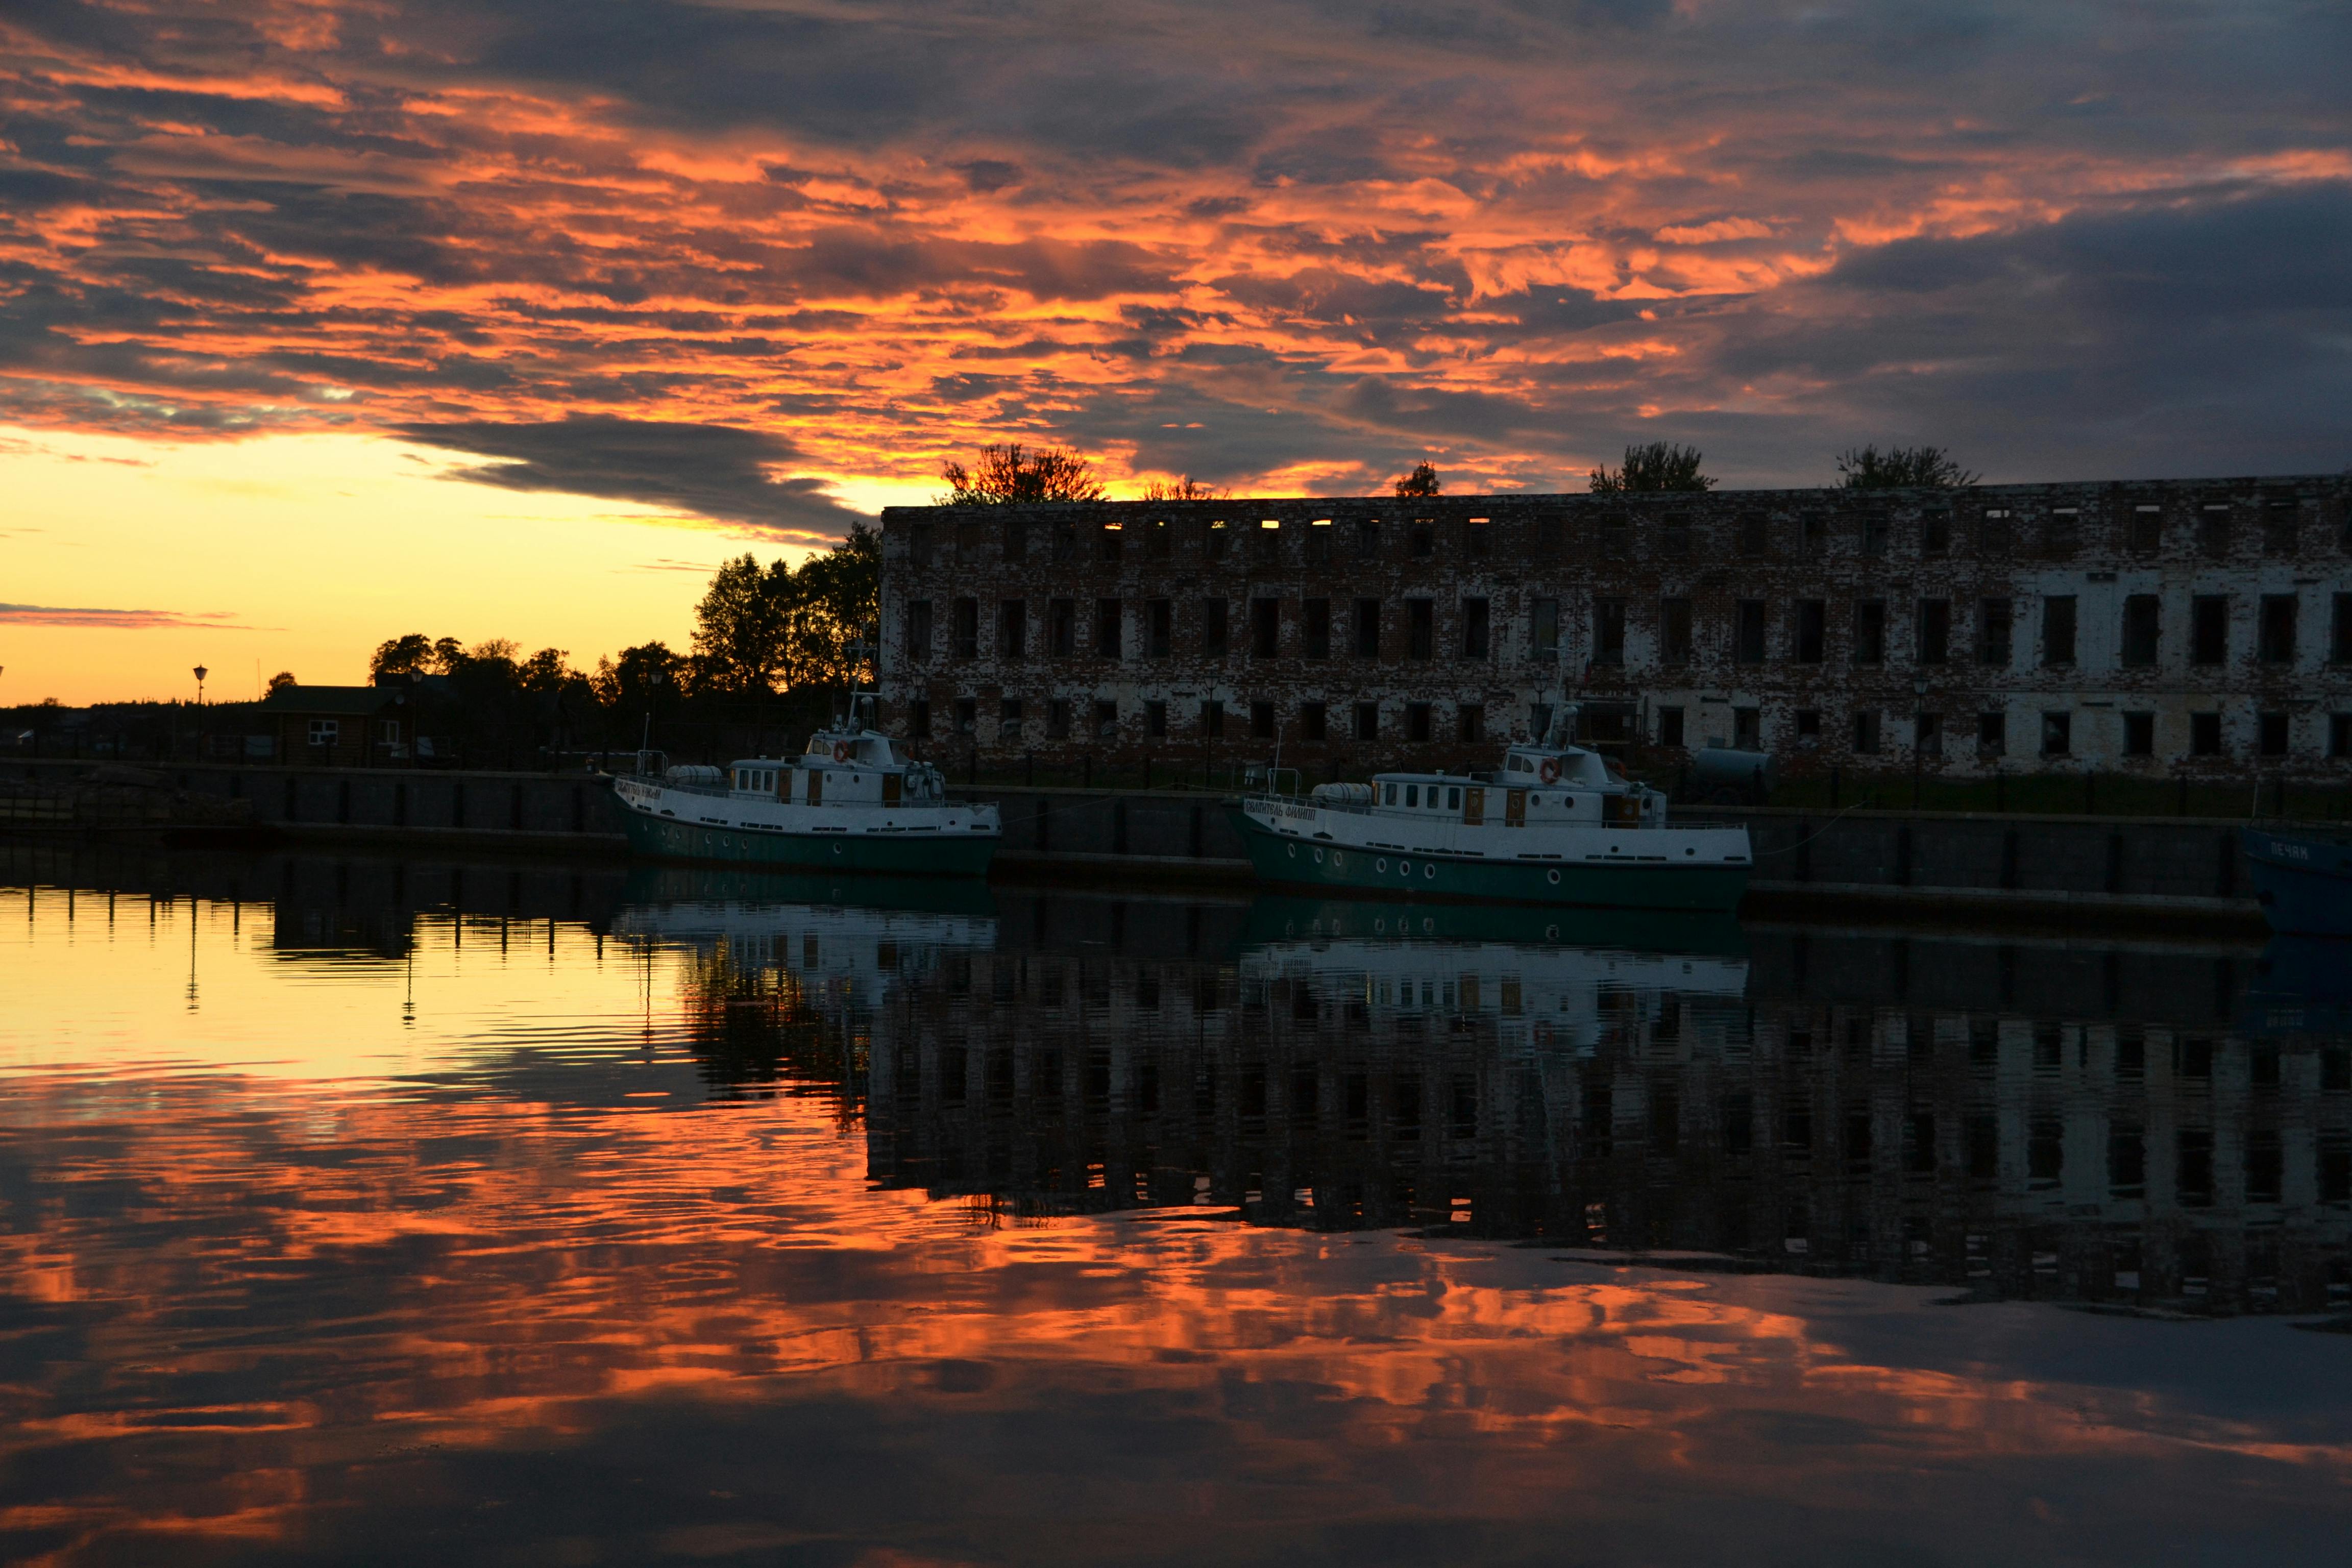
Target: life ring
pixel 841 751
pixel 1550 769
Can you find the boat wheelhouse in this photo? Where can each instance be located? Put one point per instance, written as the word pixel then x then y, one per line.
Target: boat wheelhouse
pixel 852 801
pixel 1555 823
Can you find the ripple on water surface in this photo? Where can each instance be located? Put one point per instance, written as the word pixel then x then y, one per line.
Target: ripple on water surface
pixel 783 1230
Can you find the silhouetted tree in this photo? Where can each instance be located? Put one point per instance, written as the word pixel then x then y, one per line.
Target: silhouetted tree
pixel 1900 467
pixel 1421 481
pixel 738 628
pixel 1653 465
pixel 402 656
pixel 788 628
pixel 627 685
pixel 284 678
pixel 835 602
pixel 1186 489
pixel 1008 475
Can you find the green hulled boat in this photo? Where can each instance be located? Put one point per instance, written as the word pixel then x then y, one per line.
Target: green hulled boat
pixel 851 802
pixel 1556 824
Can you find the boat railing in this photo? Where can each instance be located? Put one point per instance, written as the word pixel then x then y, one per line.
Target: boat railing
pixel 1266 779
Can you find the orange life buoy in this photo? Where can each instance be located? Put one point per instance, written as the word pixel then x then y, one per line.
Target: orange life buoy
pixel 1550 769
pixel 841 751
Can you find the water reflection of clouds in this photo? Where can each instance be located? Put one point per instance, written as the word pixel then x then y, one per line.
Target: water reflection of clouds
pixel 466 1299
pixel 546 1292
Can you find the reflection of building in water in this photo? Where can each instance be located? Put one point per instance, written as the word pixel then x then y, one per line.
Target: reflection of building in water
pixel 1632 1100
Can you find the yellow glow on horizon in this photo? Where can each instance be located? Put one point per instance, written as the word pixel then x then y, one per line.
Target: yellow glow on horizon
pixel 128 983
pixel 303 552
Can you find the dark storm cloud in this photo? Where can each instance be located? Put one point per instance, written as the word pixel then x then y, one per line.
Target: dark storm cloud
pixel 1290 236
pixel 706 469
pixel 2132 340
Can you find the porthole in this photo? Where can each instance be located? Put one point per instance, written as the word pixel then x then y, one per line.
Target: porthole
pixel 1553 877
pixel 1428 870
pixel 836 848
pixel 1294 850
pixel 1404 867
pixel 1318 857
pixel 1381 866
pixel 1338 860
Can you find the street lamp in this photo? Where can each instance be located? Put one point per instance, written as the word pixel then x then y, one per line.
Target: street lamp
pixel 200 673
pixel 654 677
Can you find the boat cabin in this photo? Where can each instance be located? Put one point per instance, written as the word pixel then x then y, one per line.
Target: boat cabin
pixel 1536 785
pixel 839 768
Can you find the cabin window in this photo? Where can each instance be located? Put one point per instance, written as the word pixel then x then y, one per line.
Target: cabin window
pixel 1390 799
pixel 1412 794
pixel 1453 800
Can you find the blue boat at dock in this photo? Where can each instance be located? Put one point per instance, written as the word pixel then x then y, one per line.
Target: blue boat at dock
pixel 2303 882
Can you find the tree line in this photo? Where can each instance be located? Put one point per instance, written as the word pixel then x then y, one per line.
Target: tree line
pixel 773 647
pixel 1010 474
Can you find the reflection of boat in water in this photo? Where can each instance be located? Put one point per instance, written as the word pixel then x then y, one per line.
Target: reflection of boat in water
pixel 855 937
pixel 2301 985
pixel 2303 882
pixel 1274 920
pixel 1540 984
pixel 751 889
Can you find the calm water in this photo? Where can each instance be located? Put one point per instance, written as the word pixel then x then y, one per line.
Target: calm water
pixel 370 1211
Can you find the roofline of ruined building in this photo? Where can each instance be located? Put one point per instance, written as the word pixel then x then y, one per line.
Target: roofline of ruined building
pixel 1811 494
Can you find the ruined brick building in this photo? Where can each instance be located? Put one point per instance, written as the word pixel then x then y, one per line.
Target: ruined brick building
pixel 2172 627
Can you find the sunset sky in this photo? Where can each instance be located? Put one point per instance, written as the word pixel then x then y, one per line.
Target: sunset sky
pixel 322 320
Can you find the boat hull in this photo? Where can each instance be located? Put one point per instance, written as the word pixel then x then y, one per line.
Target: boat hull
pixel 1293 862
pixel 2304 885
pixel 899 854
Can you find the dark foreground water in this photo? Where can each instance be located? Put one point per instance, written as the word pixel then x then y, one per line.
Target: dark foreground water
pixel 370 1211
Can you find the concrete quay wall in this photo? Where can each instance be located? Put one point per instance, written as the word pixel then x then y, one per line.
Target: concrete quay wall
pixel 571 812
pixel 1981 863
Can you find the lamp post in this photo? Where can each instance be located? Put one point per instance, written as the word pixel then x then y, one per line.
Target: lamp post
pixel 654 680
pixel 200 673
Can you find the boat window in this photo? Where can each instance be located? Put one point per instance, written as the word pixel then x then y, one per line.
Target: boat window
pixel 1412 794
pixel 1453 800
pixel 1520 765
pixel 1392 796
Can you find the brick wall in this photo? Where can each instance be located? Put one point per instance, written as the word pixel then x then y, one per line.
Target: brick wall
pixel 2159 626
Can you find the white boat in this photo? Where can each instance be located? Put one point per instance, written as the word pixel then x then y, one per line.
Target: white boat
pixel 852 801
pixel 1556 824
